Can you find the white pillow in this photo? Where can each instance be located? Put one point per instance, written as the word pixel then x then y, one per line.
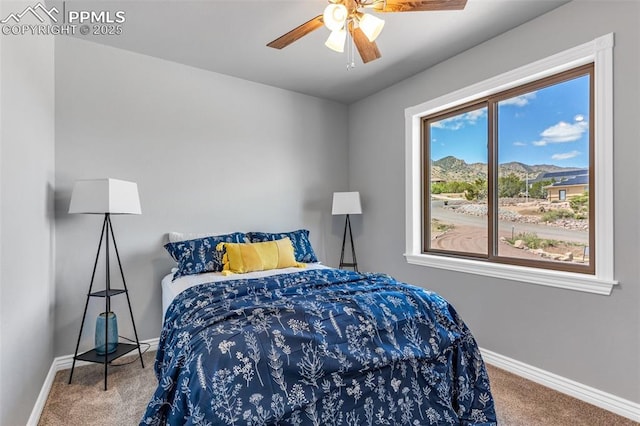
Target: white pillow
pixel 175 237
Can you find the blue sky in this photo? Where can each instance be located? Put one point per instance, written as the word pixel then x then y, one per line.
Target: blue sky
pixel 548 126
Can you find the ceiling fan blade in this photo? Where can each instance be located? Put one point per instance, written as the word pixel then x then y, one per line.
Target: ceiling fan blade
pixel 368 49
pixel 297 33
pixel 418 6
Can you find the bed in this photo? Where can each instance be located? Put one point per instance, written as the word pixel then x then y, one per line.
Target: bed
pixel 314 346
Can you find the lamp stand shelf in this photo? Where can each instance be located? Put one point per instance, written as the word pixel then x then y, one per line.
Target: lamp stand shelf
pixel 107 294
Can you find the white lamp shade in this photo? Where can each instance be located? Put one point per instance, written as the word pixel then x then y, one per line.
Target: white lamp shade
pixel 346 203
pixel 336 40
pixel 99 196
pixel 334 17
pixel 371 26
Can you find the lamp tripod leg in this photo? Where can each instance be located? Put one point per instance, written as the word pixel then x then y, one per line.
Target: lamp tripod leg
pixel 354 262
pixel 344 239
pixel 86 305
pixel 124 283
pixel 353 248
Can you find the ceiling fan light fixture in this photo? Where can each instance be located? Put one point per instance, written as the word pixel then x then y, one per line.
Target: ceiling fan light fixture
pixel 371 26
pixel 335 15
pixel 346 20
pixel 336 40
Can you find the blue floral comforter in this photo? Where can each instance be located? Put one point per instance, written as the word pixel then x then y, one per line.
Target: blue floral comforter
pixel 317 347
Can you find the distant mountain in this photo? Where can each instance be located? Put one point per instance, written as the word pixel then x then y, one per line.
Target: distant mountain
pixel 450 163
pixel 520 168
pixel 454 169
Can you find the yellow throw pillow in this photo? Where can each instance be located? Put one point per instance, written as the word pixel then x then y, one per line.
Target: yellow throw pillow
pixel 241 258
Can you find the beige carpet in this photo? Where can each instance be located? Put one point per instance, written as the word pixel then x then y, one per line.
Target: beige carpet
pixel 84 402
pixel 522 402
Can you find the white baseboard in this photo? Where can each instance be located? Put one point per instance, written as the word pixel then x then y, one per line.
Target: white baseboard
pixel 606 401
pixel 64 363
pixel 42 397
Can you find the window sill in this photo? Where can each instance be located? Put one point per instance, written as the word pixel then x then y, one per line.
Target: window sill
pixel 545 277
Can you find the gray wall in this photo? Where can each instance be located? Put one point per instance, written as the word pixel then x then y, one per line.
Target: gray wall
pixel 26 219
pixel 588 338
pixel 209 153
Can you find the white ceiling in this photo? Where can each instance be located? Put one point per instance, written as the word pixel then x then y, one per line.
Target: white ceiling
pixel 230 37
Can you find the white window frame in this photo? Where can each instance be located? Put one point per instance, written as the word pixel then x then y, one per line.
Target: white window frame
pixel 600 52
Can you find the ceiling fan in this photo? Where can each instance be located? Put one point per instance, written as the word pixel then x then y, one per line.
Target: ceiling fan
pixel 341 16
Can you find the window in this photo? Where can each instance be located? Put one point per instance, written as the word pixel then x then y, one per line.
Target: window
pixel 501 207
pixel 457 179
pixel 511 177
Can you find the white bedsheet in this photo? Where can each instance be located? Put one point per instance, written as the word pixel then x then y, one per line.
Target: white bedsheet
pixel 170 289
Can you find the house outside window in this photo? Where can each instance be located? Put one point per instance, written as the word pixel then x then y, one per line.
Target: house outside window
pixel 566 184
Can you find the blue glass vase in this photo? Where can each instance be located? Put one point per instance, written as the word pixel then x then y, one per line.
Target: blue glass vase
pixel 104 319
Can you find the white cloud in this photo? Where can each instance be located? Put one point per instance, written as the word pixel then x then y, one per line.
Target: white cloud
pixel 459 121
pixel 565 156
pixel 519 144
pixel 452 123
pixel 565 132
pixel 519 101
pixel 473 116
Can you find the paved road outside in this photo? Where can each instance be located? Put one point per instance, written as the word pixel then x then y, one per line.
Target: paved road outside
pixel 505 227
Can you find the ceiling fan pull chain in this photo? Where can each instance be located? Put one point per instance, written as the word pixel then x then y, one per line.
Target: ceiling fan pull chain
pixel 351 64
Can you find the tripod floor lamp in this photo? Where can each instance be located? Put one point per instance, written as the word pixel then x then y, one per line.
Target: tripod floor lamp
pixel 106 197
pixel 347 203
